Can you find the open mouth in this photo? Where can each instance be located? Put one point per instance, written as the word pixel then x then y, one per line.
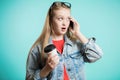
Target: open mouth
pixel 63 28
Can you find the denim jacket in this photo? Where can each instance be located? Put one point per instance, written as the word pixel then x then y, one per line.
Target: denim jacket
pixel 73 57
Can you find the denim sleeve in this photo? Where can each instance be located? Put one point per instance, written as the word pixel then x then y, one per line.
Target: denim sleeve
pixel 32 66
pixel 91 51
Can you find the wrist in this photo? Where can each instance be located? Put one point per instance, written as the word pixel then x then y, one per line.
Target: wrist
pixel 78 35
pixel 44 72
pixel 82 38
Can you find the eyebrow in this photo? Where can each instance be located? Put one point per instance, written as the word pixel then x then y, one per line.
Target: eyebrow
pixel 62 16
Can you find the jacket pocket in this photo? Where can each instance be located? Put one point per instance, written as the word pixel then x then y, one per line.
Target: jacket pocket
pixel 77 61
pixel 76 55
pixel 77 58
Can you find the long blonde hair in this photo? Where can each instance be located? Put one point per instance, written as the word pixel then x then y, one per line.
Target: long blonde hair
pixel 47 29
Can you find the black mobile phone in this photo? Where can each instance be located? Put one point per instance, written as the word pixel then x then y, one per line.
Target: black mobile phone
pixel 71 24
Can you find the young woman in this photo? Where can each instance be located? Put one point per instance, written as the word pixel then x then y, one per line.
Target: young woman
pixel 73 48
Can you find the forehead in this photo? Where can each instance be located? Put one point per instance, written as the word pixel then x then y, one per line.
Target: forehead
pixel 62 12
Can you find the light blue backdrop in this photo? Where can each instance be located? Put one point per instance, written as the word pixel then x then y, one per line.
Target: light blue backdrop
pixel 21 22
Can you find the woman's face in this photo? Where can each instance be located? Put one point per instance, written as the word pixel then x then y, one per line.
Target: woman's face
pixel 60 21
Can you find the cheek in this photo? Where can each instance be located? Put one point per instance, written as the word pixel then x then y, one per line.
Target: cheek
pixel 68 23
pixel 55 27
pixel 56 24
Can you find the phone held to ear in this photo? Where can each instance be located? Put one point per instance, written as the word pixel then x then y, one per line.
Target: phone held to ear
pixel 71 24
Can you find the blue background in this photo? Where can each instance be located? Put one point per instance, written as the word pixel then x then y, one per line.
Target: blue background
pixel 21 22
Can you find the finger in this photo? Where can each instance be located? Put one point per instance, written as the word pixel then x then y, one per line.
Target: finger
pixel 49 54
pixel 51 65
pixel 73 20
pixel 57 60
pixel 54 58
pixel 49 58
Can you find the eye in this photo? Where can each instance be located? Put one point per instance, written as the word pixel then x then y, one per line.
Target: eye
pixel 68 19
pixel 60 18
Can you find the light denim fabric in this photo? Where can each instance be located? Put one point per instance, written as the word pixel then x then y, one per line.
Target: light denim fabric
pixel 73 57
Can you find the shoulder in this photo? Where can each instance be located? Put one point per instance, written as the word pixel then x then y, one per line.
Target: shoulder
pixel 35 50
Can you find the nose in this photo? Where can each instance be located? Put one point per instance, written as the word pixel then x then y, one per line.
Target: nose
pixel 65 22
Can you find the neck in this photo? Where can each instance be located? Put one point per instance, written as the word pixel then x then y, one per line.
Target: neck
pixel 57 37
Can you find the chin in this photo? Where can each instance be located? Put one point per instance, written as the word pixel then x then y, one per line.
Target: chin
pixel 63 33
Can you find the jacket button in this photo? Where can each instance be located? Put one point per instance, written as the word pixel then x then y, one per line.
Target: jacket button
pixel 69 69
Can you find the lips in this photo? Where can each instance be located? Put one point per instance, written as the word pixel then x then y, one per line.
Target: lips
pixel 63 28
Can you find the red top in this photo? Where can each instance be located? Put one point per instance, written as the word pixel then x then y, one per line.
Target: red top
pixel 59 44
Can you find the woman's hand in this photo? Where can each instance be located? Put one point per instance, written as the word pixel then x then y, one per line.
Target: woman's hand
pixel 51 63
pixel 76 27
pixel 76 31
